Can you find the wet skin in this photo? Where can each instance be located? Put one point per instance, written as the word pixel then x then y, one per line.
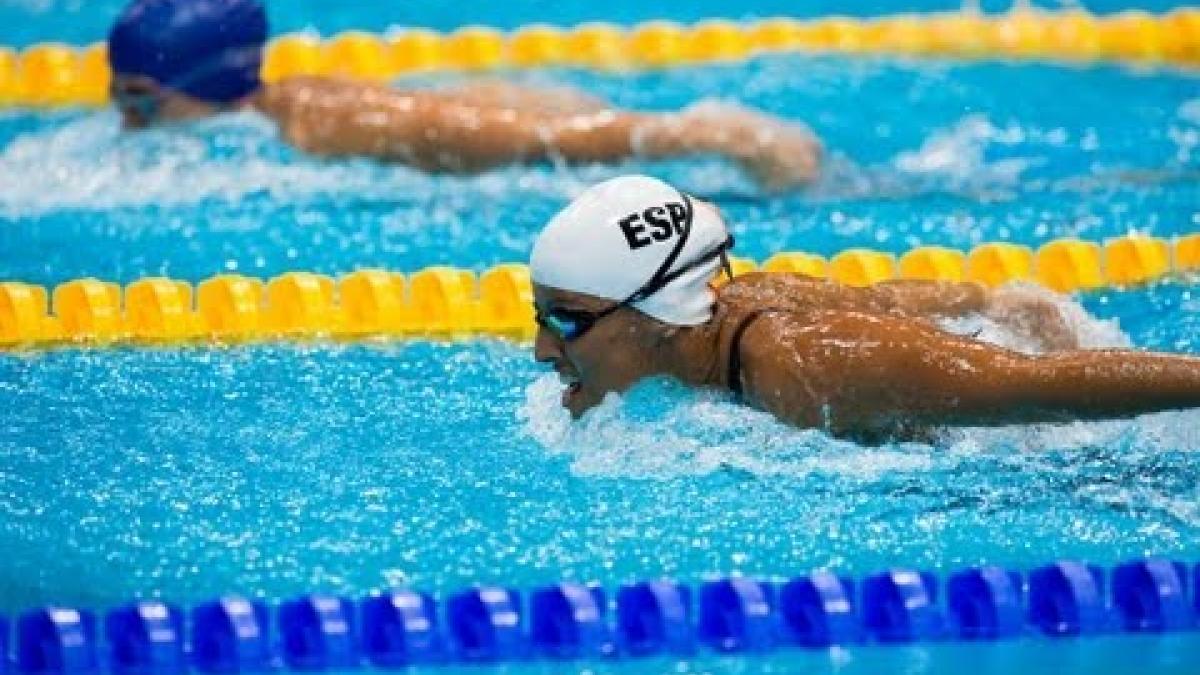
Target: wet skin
pixel 868 363
pixel 488 124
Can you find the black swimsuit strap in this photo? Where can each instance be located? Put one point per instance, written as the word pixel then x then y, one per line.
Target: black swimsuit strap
pixel 735 348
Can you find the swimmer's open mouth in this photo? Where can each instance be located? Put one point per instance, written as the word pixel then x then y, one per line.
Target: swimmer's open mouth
pixel 571 386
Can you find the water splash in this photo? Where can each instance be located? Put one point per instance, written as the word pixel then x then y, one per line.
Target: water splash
pixel 971 158
pixel 663 429
pixel 958 155
pixel 87 162
pixel 1186 133
pixel 1090 332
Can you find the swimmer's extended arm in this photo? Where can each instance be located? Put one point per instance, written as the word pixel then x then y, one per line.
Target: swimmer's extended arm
pixel 852 372
pixel 452 132
pixel 432 130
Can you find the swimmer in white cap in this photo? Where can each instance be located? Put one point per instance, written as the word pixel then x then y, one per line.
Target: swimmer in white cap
pixel 623 284
pixel 182 59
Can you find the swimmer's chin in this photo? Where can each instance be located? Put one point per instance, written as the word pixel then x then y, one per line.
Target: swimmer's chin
pixel 134 123
pixel 578 400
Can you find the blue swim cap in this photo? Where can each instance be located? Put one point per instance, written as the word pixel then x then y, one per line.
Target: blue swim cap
pixel 209 49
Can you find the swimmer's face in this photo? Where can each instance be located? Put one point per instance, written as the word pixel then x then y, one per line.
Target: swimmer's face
pixel 143 102
pixel 610 356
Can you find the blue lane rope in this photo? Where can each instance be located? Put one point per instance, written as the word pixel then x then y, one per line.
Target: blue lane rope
pixel 568 620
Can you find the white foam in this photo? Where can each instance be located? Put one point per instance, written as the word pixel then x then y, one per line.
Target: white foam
pixel 1090 332
pixel 958 154
pixel 88 163
pixel 1186 136
pixel 662 429
pixel 973 156
pixel 1189 111
pixel 1139 438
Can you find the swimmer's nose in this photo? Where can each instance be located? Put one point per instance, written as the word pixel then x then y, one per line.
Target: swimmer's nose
pixel 131 121
pixel 545 347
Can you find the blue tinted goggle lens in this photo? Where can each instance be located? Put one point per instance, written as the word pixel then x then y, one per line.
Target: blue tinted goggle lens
pixel 567 325
pixel 147 105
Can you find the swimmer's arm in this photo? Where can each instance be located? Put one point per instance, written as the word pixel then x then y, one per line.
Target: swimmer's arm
pixel 432 130
pixel 851 372
pixel 438 132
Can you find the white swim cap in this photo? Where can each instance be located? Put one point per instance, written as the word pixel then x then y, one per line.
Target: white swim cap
pixel 627 236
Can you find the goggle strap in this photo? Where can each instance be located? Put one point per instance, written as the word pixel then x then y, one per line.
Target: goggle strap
pixel 718 251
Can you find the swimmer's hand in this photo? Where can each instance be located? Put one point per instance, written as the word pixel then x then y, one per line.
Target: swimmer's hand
pixel 1032 314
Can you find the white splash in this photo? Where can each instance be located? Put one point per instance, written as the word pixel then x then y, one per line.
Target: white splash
pixel 959 153
pixel 1189 111
pixel 662 429
pixel 1186 134
pixel 1141 436
pixel 1090 332
pixel 87 162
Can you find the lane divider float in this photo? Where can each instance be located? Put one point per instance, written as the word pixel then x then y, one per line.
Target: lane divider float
pixel 493 624
pixel 55 74
pixel 448 303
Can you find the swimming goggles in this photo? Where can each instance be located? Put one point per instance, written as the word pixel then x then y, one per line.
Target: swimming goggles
pixel 147 105
pixel 572 324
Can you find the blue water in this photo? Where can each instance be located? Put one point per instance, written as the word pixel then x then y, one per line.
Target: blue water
pixel 274 470
pixel 944 154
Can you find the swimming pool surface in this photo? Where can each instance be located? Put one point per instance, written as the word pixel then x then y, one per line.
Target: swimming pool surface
pixel 273 470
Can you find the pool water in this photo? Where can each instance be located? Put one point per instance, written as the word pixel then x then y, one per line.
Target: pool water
pixel 278 469
pixel 943 154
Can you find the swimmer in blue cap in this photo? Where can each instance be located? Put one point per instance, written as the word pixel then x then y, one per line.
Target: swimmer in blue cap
pixel 183 59
pixel 623 284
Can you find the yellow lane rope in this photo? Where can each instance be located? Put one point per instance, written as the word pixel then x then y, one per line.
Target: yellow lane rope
pixel 54 74
pixel 451 303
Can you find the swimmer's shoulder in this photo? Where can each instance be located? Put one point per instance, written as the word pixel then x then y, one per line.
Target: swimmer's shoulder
pixel 764 314
pixel 763 368
pixel 754 314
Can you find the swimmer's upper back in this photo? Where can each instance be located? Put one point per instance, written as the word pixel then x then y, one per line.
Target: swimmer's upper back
pixel 794 293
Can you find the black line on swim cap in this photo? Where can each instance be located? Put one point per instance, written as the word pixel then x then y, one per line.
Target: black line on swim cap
pixel 659 279
pixel 663 275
